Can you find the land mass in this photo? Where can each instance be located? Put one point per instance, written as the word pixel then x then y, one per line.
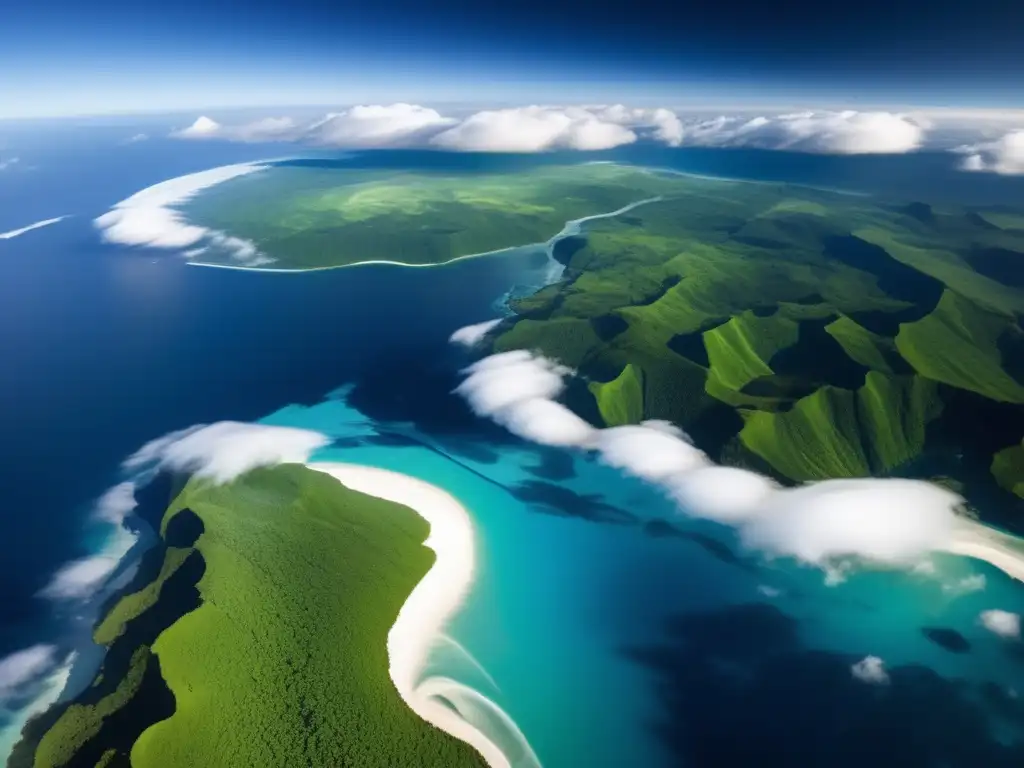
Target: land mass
pixel 261 638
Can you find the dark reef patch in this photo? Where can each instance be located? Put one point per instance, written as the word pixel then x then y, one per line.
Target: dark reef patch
pixel 736 687
pixel 947 638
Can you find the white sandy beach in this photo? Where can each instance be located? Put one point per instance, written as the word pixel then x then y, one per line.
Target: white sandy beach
pixel 1005 552
pixel 435 599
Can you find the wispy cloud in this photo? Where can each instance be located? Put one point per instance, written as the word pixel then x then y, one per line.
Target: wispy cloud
pixel 219 452
pixel 1002 623
pixel 1004 156
pixel 823 523
pixel 472 335
pixel 226 449
pixel 870 670
pixel 151 217
pixel 38 225
pixel 8 163
pixel 23 668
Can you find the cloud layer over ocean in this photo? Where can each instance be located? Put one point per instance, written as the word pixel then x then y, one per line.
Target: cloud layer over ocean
pixel 890 522
pixel 539 128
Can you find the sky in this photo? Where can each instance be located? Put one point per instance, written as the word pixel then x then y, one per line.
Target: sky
pixel 64 57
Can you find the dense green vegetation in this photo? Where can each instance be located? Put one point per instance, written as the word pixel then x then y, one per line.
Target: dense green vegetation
pixel 805 333
pixel 280 658
pixel 313 217
pixel 621 400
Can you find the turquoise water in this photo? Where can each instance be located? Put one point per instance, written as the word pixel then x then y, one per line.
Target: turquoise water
pixel 563 606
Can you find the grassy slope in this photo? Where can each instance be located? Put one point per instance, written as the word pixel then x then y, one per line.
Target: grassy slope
pixel 840 433
pixel 869 349
pixel 285 662
pixel 739 350
pixel 958 344
pixel 621 400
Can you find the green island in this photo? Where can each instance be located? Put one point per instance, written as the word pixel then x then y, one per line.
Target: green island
pixel 805 333
pixel 259 639
pixel 312 218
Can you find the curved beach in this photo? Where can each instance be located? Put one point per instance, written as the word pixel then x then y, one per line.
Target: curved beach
pixel 1001 550
pixel 422 618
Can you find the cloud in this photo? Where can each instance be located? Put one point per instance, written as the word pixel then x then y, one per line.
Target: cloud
pixel 38 225
pixel 1004 156
pixel 23 668
pixel 151 217
pixel 471 335
pixel 891 521
pixel 8 163
pixel 115 505
pixel 378 126
pixel 1002 623
pixel 226 449
pixel 265 129
pixel 973 583
pixel 517 390
pixel 136 138
pixel 847 133
pixel 870 670
pixel 535 129
pixel 220 452
pixel 80 579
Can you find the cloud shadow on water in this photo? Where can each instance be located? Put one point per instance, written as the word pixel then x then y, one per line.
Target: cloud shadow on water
pixel 736 688
pixel 565 502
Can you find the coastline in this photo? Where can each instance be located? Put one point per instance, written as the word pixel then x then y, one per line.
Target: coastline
pixel 422 618
pixel 990 545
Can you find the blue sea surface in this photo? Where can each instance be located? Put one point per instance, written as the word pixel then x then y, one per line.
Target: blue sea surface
pixel 618 632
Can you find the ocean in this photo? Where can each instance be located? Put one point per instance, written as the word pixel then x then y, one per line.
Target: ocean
pixel 617 632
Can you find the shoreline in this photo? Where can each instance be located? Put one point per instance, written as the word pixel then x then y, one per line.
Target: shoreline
pixel 990 545
pixel 434 600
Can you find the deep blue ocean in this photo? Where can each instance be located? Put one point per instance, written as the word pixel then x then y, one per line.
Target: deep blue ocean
pixel 612 641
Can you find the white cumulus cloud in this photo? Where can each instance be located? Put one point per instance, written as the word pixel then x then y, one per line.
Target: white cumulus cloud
pixel 535 129
pixel 1004 156
pixel 23 668
pixel 848 132
pixel 378 126
pixel 1002 623
pixel 517 389
pixel 871 670
pixel 151 217
pixel 891 522
pixel 226 449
